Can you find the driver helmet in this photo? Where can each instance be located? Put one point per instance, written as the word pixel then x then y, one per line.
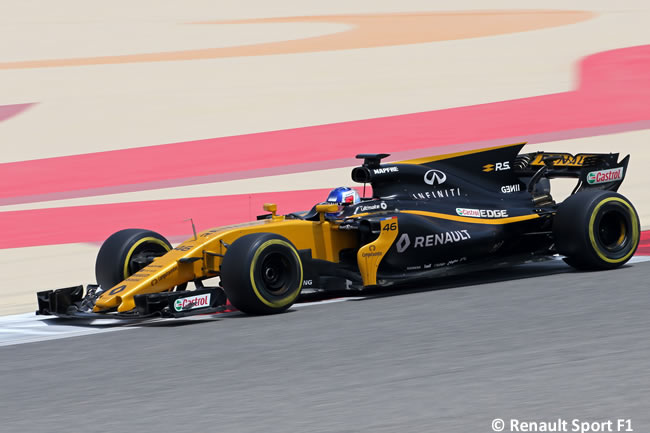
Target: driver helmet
pixel 343 196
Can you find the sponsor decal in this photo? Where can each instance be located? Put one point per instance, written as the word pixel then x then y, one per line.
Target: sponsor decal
pixel 507 189
pixel 192 302
pixel 434 177
pixel 605 176
pixel 307 283
pixel 482 213
pixel 115 291
pixel 348 197
pixel 373 252
pixel 499 166
pixel 209 233
pixel 403 243
pixel 365 208
pixel 431 240
pixel 348 226
pixel 441 238
pixel 564 159
pixel 439 193
pixel 496 246
pixel 450 262
pixel 163 276
pixel 455 261
pixel 383 170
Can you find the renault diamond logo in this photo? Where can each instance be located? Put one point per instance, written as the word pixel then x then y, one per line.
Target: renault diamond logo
pixel 403 243
pixel 488 167
pixel 434 177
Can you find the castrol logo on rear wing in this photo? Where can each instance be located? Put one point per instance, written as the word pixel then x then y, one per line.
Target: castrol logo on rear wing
pixel 604 176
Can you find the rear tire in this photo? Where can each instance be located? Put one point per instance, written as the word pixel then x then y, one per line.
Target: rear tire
pixel 115 260
pixel 261 273
pixel 596 230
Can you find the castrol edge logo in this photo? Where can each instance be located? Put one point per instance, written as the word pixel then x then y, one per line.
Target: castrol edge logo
pixel 198 301
pixel 482 213
pixel 604 176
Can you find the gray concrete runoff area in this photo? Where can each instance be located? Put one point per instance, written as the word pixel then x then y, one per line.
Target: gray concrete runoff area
pixel 539 342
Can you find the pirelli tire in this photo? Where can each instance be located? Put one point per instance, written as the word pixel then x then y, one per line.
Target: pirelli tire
pixel 596 230
pixel 261 273
pixel 118 256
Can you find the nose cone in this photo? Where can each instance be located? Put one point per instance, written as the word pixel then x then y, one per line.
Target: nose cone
pixel 106 302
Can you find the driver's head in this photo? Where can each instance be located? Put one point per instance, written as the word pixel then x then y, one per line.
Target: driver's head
pixel 343 196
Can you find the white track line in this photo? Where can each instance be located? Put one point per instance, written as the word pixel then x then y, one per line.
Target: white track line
pixel 30 328
pixel 639 259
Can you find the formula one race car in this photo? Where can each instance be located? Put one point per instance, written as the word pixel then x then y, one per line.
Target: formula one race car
pixel 426 218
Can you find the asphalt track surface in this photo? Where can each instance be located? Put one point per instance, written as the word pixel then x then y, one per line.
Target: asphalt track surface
pixel 537 342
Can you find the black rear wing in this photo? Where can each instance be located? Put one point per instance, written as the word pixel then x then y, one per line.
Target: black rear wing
pixel 593 170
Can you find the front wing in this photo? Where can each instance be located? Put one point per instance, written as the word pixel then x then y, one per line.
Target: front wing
pixel 72 302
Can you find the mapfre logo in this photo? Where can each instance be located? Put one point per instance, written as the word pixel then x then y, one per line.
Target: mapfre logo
pixel 434 177
pixel 499 166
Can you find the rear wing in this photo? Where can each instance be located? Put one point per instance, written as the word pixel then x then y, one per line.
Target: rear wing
pixel 593 170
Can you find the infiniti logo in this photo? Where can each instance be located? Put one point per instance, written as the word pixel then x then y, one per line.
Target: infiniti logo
pixel 434 177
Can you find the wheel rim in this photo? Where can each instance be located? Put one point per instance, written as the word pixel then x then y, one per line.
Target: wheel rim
pixel 141 252
pixel 613 230
pixel 276 274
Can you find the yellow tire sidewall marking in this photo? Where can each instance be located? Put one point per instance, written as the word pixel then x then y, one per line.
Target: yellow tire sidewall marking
pixel 136 245
pixel 635 229
pixel 291 297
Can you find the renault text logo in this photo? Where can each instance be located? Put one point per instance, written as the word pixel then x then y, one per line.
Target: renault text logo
pixel 434 177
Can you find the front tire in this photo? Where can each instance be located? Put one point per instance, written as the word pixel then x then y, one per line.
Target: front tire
pixel 262 273
pixel 596 230
pixel 118 256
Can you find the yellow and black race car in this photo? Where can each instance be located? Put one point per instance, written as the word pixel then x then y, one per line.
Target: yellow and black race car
pixel 426 217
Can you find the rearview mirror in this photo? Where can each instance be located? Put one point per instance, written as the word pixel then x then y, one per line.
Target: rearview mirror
pixel 322 209
pixel 327 208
